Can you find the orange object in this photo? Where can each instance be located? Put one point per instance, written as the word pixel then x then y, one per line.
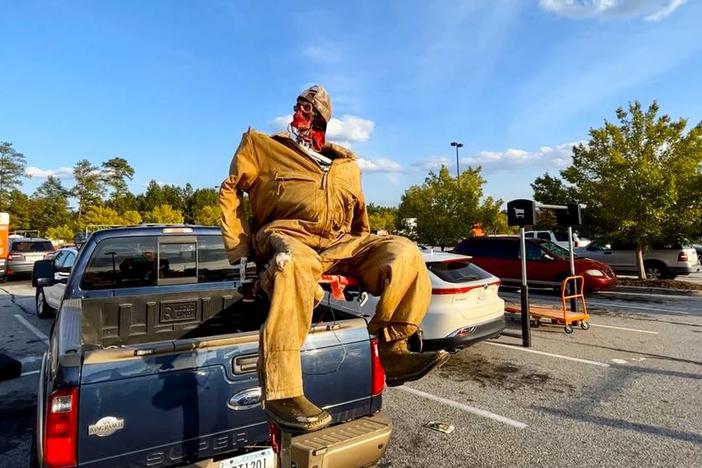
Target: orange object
pixel 4 234
pixel 562 316
pixel 477 231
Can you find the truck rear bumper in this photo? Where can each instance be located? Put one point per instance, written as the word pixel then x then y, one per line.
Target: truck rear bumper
pixel 358 443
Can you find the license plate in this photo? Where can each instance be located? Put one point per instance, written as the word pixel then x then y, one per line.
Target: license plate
pixel 261 459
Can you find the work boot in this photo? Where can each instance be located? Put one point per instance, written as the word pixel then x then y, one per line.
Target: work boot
pixel 402 365
pixel 297 414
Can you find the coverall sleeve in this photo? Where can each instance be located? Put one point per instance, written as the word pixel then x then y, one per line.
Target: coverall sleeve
pixel 360 224
pixel 243 171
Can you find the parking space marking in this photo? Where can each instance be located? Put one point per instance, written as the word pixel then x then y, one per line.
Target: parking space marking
pixel 623 306
pixel 30 372
pixel 38 333
pixel 624 328
pixel 544 353
pixel 466 408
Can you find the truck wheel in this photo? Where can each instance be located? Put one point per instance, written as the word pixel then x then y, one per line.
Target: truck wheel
pixel 44 311
pixel 656 270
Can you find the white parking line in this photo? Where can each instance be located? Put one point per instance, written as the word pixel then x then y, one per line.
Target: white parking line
pixel 652 309
pixel 38 333
pixel 466 408
pixel 624 328
pixel 544 353
pixel 30 373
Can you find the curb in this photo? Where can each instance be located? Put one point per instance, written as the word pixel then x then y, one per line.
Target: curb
pixel 649 290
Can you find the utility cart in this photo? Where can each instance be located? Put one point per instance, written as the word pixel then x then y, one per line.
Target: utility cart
pixel 561 316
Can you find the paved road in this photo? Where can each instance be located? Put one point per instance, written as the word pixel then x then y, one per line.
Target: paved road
pixel 624 393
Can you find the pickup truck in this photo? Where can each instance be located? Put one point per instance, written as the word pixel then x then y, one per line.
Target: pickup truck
pixel 152 363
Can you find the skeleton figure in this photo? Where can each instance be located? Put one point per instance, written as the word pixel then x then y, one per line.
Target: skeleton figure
pixel 309 218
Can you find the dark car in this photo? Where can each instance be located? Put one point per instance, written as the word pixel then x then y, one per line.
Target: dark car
pixel 548 264
pixel 24 251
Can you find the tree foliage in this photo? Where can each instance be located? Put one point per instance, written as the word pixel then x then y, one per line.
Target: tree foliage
pixel 163 214
pixel 382 218
pixel 445 207
pixel 208 215
pixel 90 186
pixel 115 173
pixel 51 201
pixel 12 165
pixel 60 233
pixel 639 177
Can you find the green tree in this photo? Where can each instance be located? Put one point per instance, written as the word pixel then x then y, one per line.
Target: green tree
pixel 131 217
pixel 164 214
pixel 640 177
pixel 445 207
pixel 50 205
pixel 21 210
pixel 115 173
pixel 381 218
pixel 98 215
pixel 208 216
pixel 60 233
pixel 12 166
pixel 123 202
pixel 151 198
pixel 89 187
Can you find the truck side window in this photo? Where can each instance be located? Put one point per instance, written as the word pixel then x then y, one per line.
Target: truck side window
pixel 122 263
pixel 544 235
pixel 212 263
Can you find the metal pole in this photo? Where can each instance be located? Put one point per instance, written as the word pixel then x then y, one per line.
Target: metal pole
pixel 573 286
pixel 458 170
pixel 526 323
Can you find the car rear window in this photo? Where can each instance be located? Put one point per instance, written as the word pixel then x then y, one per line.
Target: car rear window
pixel 32 246
pixel 458 271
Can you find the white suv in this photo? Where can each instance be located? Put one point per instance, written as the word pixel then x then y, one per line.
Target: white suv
pixel 660 261
pixel 560 238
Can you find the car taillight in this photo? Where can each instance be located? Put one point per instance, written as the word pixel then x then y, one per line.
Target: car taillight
pixel 682 257
pixel 61 428
pixel 16 257
pixel 378 377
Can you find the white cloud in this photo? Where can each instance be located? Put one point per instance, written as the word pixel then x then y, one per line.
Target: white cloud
pixel 345 131
pixel 651 10
pixel 558 156
pixel 350 128
pixel 379 165
pixel 61 172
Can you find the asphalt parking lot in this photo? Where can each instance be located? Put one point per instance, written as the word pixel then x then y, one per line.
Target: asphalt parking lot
pixel 624 393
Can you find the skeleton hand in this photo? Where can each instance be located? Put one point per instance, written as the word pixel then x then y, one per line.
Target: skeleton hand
pixel 282 258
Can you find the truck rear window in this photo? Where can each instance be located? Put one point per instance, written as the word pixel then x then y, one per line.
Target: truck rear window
pixel 458 271
pixel 32 246
pixel 143 261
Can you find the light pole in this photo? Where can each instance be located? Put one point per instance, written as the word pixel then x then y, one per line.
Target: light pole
pixel 457 145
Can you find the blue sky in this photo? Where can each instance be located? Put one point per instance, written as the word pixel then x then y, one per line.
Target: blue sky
pixel 171 85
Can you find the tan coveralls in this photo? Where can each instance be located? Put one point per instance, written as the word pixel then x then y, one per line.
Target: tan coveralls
pixel 321 219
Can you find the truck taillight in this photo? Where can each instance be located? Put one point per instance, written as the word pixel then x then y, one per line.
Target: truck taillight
pixel 378 377
pixel 61 428
pixel 682 257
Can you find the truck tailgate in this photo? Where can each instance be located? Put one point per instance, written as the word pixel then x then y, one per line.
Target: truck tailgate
pixel 180 401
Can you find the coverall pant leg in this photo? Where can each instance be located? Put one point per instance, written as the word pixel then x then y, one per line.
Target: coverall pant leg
pixel 393 268
pixel 292 291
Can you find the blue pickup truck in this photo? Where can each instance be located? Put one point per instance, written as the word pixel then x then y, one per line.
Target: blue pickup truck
pixel 152 363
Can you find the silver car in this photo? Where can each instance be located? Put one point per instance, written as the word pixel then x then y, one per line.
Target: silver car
pixel 24 251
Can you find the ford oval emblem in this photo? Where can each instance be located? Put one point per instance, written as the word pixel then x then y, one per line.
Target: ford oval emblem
pixel 247 399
